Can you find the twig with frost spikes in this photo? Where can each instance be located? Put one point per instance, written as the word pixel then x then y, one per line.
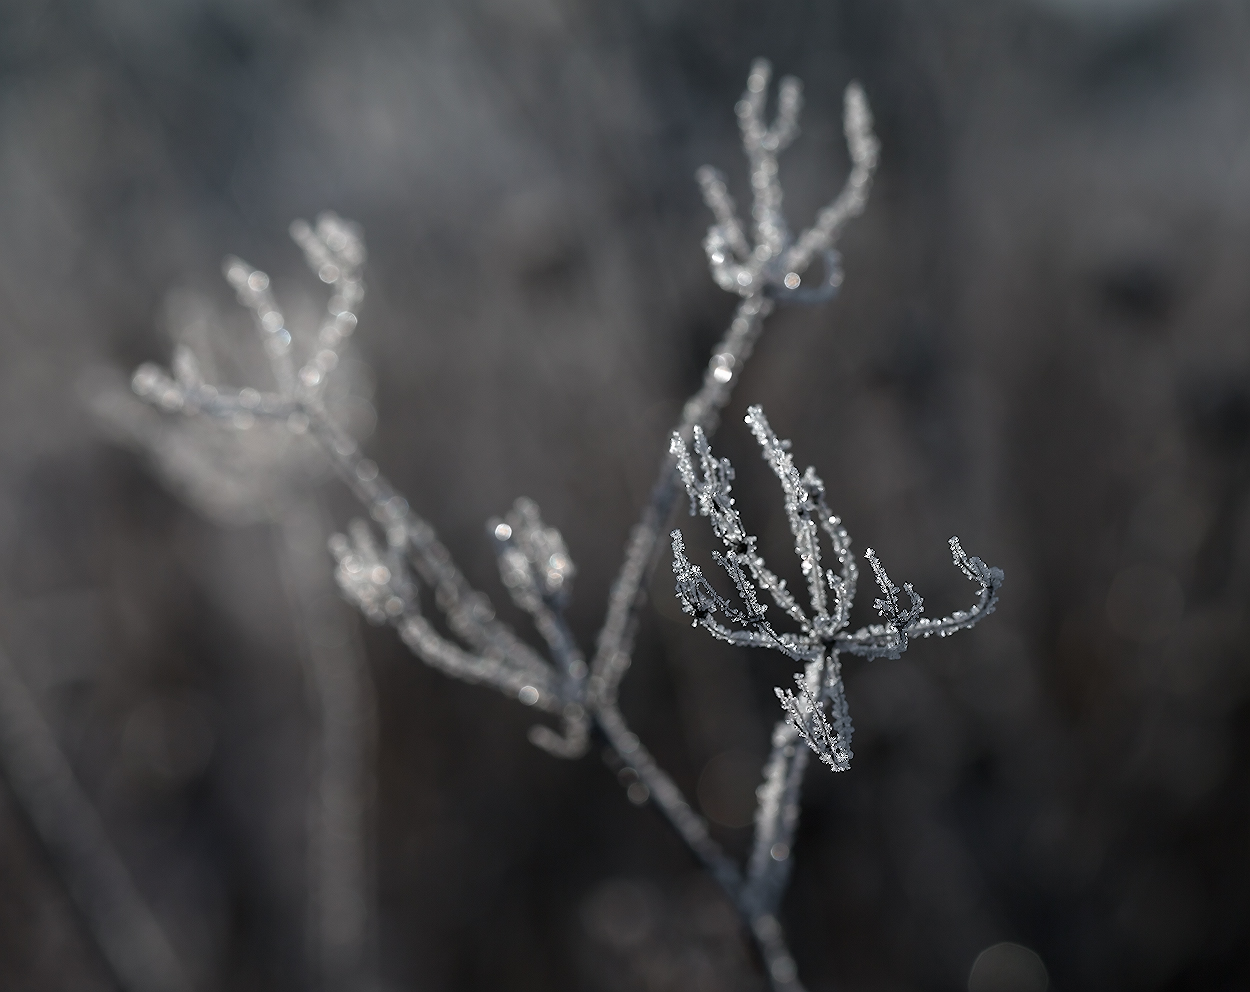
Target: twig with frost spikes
pixel 821 635
pixel 538 572
pixel 776 262
pixel 127 932
pixel 379 580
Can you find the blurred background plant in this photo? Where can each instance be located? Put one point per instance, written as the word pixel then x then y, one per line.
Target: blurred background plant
pixel 1040 346
pixel 252 471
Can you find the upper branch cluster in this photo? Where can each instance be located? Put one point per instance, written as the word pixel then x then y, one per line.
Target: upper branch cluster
pixel 776 262
pixel 335 250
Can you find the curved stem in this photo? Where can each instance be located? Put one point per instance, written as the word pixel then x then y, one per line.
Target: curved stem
pixel 342 696
pixel 126 930
pixel 616 638
pixel 663 791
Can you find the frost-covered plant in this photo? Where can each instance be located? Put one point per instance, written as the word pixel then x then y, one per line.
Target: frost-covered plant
pixel 776 263
pixel 382 569
pixel 823 634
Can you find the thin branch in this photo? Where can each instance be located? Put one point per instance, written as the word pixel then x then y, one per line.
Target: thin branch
pixel 537 571
pixel 667 797
pixel 776 820
pixel 67 823
pixel 627 597
pixel 891 639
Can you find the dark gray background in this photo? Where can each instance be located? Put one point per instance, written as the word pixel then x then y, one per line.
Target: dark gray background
pixel 1041 345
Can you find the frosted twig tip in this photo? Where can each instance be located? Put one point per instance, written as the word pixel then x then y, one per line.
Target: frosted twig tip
pixel 776 262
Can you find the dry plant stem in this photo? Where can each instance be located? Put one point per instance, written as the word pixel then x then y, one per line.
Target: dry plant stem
pixel 411 539
pixel 341 697
pixel 628 595
pixel 123 926
pixel 499 657
pixel 496 655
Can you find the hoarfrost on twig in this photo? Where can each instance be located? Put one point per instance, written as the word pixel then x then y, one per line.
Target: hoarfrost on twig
pixel 538 572
pixel 777 261
pixel 762 279
pixel 818 710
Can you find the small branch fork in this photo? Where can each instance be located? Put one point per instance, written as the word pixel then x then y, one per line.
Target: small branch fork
pixel 382 575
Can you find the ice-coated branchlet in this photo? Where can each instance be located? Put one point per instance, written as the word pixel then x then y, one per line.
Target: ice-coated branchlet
pixel 776 263
pixel 818 710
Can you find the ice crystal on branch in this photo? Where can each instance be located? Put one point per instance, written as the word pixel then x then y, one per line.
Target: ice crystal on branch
pixel 336 252
pixel 533 560
pixel 818 711
pixel 240 468
pixel 537 571
pixel 776 262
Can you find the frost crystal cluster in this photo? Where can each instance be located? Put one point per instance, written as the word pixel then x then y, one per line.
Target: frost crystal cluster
pixel 777 261
pixel 381 566
pixel 822 634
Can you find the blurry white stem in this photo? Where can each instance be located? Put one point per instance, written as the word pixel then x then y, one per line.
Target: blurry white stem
pixel 342 698
pixel 67 823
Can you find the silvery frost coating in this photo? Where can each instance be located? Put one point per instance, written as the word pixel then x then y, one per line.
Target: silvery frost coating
pixel 777 261
pixel 381 566
pixel 818 712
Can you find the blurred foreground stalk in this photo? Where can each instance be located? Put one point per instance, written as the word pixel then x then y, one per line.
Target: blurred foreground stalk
pixel 69 826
